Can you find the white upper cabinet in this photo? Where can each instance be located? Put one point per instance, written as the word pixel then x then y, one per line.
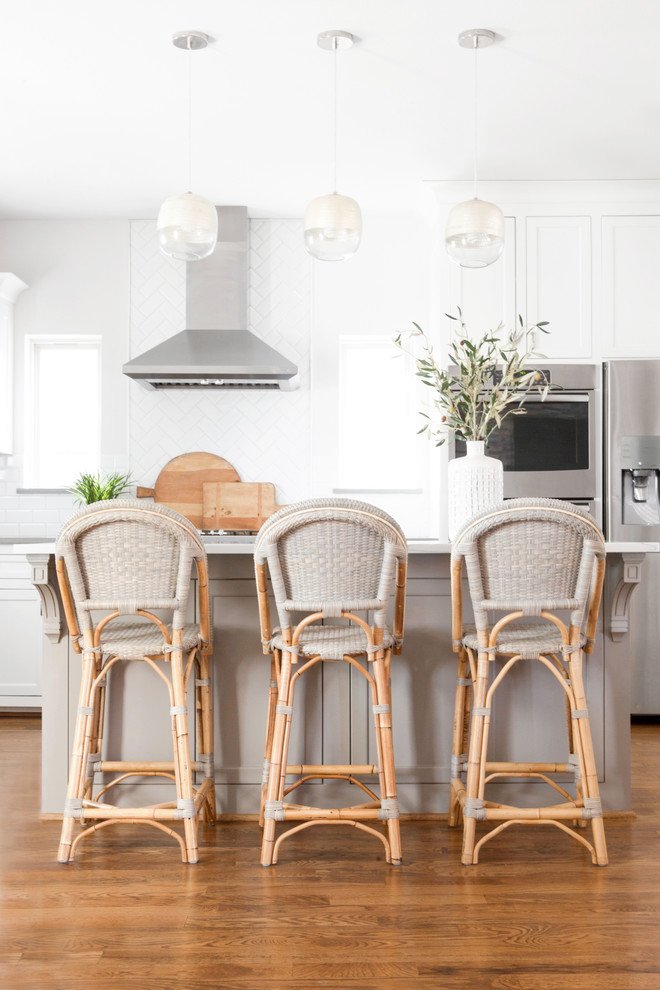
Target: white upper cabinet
pixel 10 289
pixel 583 256
pixel 630 285
pixel 558 283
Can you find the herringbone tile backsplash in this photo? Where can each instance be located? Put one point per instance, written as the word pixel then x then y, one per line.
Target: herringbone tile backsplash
pixel 264 434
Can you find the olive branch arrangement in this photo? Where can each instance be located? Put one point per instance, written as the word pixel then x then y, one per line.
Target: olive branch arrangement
pixel 486 380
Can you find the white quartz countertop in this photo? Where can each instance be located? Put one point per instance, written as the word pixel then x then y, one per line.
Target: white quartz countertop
pixel 414 546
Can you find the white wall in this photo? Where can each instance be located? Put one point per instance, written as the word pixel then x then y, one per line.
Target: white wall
pixel 78 278
pixel 77 274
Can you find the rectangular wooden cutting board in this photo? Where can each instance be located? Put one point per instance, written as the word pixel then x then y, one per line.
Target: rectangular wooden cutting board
pixel 237 505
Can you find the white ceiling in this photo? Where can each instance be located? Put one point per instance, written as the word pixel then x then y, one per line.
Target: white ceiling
pixel 93 114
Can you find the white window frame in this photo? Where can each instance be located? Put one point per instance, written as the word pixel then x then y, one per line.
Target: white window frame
pixel 34 345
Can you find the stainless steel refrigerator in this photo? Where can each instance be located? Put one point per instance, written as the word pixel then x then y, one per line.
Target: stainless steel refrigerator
pixel 632 506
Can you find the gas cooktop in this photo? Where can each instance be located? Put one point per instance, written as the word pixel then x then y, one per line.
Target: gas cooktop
pixel 227 536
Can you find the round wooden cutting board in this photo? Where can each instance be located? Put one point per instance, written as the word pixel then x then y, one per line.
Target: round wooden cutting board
pixel 180 483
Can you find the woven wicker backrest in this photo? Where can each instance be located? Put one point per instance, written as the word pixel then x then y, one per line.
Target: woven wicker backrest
pixel 123 555
pixel 530 554
pixel 331 554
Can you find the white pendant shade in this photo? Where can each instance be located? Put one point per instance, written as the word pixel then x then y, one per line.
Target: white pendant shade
pixel 475 233
pixel 187 227
pixel 333 227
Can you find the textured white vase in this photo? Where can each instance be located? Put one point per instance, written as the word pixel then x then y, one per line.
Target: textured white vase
pixel 473 483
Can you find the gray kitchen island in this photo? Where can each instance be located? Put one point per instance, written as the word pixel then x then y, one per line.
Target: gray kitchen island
pixel 335 710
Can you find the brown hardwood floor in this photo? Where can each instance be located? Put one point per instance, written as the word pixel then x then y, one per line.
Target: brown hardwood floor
pixel 533 915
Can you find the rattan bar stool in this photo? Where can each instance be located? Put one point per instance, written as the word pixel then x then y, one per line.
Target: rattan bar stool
pixel 526 561
pixel 118 563
pixel 329 559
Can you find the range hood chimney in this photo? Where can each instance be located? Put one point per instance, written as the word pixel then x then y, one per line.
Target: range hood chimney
pixel 216 350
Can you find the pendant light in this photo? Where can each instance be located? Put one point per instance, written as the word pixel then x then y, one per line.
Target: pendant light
pixel 188 224
pixel 333 223
pixel 475 229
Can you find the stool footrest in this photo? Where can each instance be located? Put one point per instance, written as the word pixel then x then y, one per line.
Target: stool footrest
pixel 356 813
pixel 491 767
pixel 327 769
pixel 124 766
pixel 506 812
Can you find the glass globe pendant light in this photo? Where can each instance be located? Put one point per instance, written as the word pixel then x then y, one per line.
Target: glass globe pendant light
pixel 474 236
pixel 333 223
pixel 188 224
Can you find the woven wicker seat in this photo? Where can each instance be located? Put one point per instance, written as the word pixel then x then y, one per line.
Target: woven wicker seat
pixel 329 559
pixel 118 563
pixel 525 638
pixel 331 642
pixel 525 562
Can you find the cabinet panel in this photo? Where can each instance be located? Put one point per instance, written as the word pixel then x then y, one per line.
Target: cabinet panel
pixel 558 262
pixel 20 657
pixel 631 288
pixel 20 626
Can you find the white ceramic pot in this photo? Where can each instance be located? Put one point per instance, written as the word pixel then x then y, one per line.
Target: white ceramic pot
pixel 474 482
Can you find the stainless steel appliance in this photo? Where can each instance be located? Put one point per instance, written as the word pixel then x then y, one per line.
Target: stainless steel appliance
pixel 632 506
pixel 554 449
pixel 216 350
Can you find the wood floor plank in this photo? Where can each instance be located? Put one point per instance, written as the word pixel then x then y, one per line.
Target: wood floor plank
pixel 533 915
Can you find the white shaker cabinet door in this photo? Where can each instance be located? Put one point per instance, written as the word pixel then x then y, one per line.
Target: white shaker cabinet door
pixel 558 283
pixel 20 629
pixel 631 288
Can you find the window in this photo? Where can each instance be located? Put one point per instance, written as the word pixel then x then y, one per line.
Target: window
pixel 377 415
pixel 62 409
pixel 365 424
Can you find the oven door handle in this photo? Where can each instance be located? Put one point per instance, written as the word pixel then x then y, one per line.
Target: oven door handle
pixel 553 397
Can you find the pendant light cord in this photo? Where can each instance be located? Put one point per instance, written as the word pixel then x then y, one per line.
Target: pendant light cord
pixel 334 114
pixel 190 51
pixel 476 116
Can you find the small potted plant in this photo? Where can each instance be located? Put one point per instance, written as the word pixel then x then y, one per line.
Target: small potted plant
pixel 485 382
pixel 90 488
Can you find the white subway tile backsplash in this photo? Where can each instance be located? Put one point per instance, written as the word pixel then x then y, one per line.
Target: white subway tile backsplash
pixel 251 429
pixel 32 529
pixel 11 502
pixel 21 516
pixel 47 515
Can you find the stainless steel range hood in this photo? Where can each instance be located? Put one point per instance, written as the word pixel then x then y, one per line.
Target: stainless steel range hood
pixel 216 350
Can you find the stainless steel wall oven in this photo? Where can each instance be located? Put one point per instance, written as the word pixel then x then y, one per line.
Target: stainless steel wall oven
pixel 553 450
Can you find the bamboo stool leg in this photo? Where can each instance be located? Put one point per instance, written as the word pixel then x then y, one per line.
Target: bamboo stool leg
pixel 588 771
pixel 476 762
pixel 183 771
pixel 461 729
pixel 270 727
pixel 77 772
pixel 278 762
pixel 383 729
pixel 573 750
pixel 98 703
pixel 204 693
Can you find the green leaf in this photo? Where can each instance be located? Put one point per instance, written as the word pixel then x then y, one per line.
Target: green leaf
pixel 89 488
